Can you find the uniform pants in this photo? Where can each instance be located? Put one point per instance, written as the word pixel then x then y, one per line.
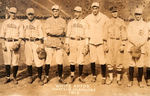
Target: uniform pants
pixel 31 54
pixel 10 57
pixel 76 52
pixel 97 52
pixel 148 53
pixel 51 52
pixel 114 57
pixel 131 61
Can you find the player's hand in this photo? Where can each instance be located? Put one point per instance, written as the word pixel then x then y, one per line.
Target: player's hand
pixel 122 49
pixel 67 48
pixel 106 49
pixel 4 47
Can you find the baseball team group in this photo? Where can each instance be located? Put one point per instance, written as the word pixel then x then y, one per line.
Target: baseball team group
pixel 104 39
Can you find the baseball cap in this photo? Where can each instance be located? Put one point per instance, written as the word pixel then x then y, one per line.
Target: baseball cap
pixel 95 4
pixel 113 9
pixel 78 8
pixel 30 10
pixel 55 7
pixel 13 10
pixel 138 11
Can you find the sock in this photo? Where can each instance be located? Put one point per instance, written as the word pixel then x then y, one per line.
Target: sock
pixel 103 70
pixel 140 74
pixel 15 70
pixel 29 68
pixel 148 72
pixel 119 73
pixel 7 68
pixel 40 69
pixel 80 70
pixel 47 67
pixel 93 68
pixel 72 68
pixel 60 70
pixel 131 73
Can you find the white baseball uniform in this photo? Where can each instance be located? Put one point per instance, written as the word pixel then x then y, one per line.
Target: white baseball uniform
pixel 55 29
pixel 76 33
pixel 137 34
pixel 96 35
pixel 116 36
pixel 11 32
pixel 32 30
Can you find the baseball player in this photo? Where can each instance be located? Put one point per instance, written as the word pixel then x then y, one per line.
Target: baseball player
pixel 116 37
pixel 137 35
pixel 148 53
pixel 11 34
pixel 33 35
pixel 96 21
pixel 76 40
pixel 55 32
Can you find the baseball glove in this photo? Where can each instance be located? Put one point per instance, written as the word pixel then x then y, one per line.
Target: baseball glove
pixel 15 47
pixel 85 50
pixel 135 52
pixel 41 53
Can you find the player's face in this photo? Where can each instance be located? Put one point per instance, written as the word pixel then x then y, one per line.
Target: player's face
pixel 12 15
pixel 56 13
pixel 138 17
pixel 77 14
pixel 115 14
pixel 30 16
pixel 95 10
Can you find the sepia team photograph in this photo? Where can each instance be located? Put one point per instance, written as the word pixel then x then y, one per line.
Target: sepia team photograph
pixel 74 47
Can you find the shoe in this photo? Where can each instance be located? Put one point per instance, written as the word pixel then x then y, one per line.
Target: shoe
pixel 40 81
pixel 141 85
pixel 7 80
pixel 103 81
pixel 109 81
pixel 81 80
pixel 46 79
pixel 62 81
pixel 119 82
pixel 93 79
pixel 148 82
pixel 130 84
pixel 30 80
pixel 72 79
pixel 15 81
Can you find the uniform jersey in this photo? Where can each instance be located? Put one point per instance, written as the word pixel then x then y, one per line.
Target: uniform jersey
pixel 76 28
pixel 32 29
pixel 115 29
pixel 11 29
pixel 137 32
pixel 55 26
pixel 96 27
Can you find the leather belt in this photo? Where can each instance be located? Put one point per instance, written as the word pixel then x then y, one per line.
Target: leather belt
pixel 81 38
pixel 115 38
pixel 32 39
pixel 11 39
pixel 51 35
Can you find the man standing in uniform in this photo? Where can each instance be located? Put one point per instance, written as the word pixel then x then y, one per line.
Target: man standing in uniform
pixel 76 41
pixel 116 37
pixel 55 32
pixel 33 35
pixel 96 22
pixel 137 35
pixel 148 56
pixel 11 34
